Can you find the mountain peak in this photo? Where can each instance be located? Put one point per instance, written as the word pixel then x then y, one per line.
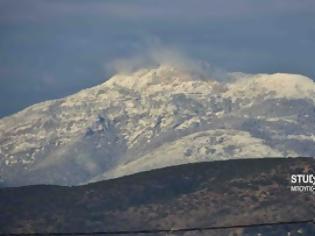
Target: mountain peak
pixel 278 85
pixel 165 78
pixel 157 117
pixel 161 74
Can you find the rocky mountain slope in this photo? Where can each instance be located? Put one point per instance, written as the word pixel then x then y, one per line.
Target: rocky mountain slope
pixel 220 193
pixel 154 118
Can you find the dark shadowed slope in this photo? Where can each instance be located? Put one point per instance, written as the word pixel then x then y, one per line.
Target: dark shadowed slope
pixel 203 194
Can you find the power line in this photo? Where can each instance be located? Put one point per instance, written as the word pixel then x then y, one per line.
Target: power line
pixel 153 231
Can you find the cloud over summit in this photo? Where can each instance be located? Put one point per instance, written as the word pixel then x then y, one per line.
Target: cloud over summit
pixel 70 41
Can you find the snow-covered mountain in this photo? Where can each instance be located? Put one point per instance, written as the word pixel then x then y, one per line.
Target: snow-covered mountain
pixel 154 118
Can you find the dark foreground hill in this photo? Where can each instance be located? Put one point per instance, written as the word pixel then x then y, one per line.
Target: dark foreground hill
pixel 194 195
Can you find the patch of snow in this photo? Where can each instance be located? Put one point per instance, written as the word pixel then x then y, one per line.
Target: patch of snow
pixel 279 85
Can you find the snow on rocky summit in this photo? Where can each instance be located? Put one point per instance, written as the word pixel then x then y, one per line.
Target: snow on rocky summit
pixel 154 118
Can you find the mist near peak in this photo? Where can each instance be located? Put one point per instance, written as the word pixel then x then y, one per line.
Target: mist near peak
pixel 168 57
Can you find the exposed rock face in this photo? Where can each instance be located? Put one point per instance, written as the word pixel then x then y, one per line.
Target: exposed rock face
pixel 154 118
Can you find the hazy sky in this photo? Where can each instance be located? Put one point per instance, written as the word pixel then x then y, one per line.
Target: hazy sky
pixel 52 48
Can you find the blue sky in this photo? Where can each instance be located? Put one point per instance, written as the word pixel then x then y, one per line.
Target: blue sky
pixel 52 48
